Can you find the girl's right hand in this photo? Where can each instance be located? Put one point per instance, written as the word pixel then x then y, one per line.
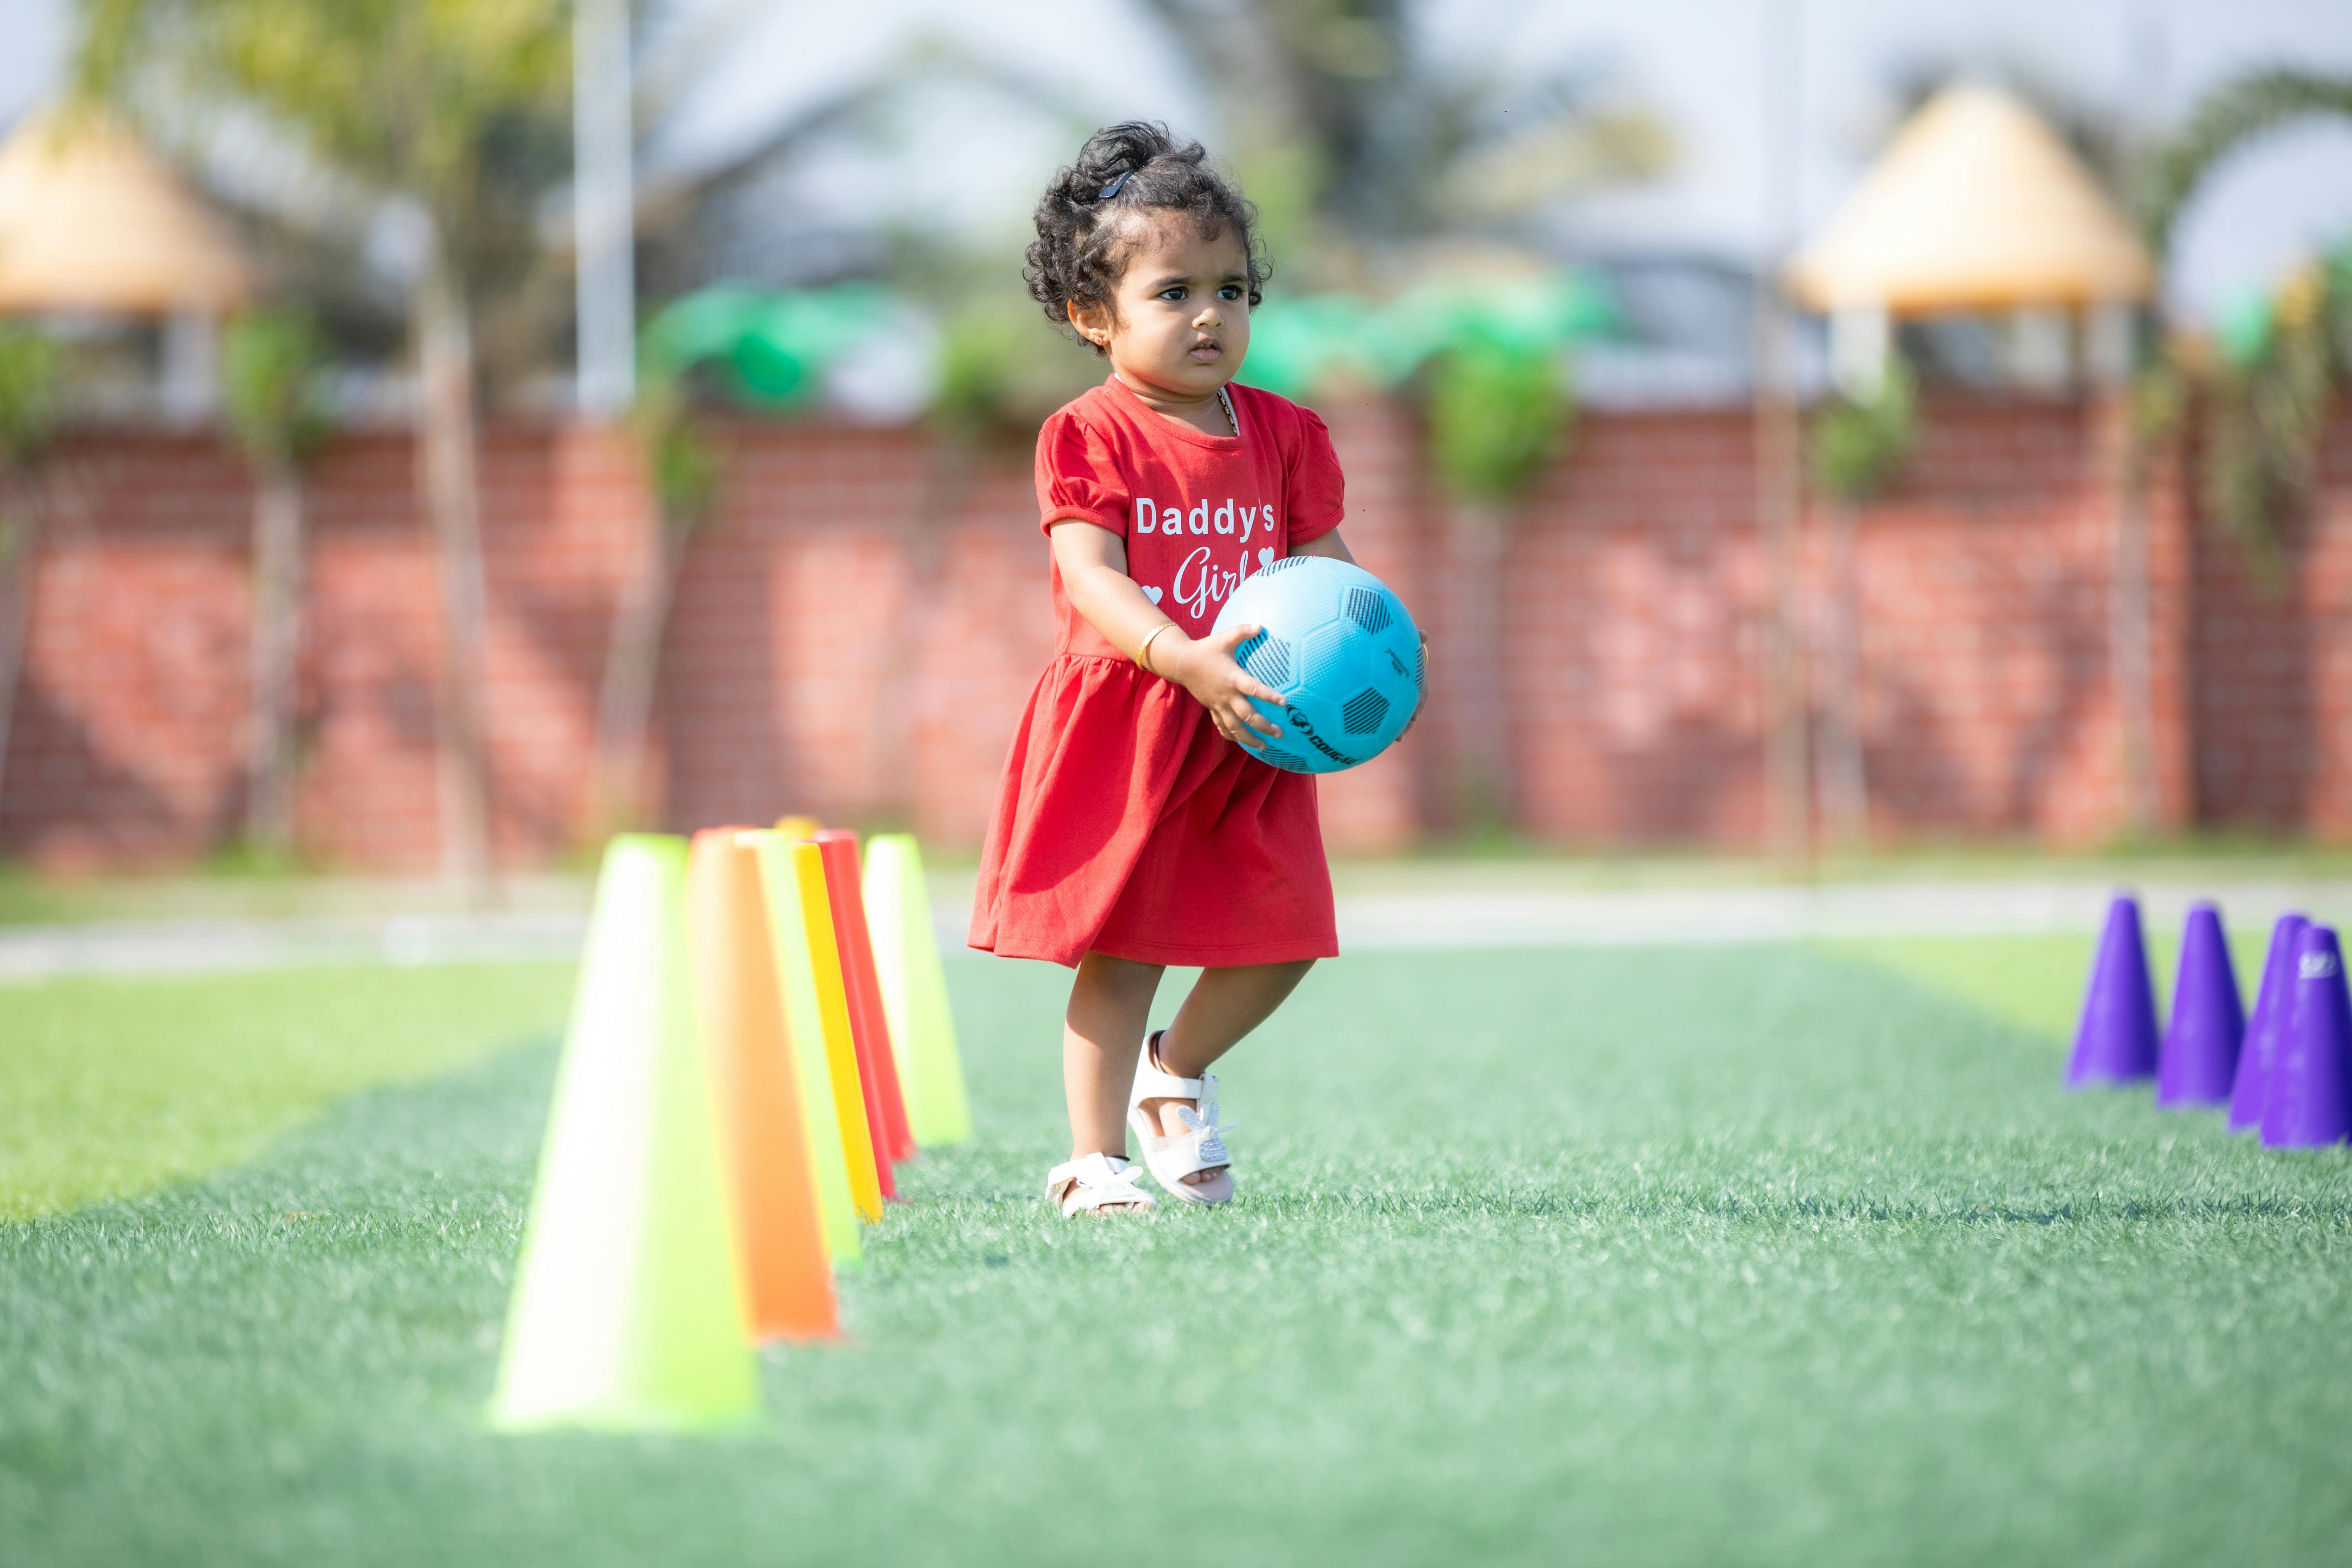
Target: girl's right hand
pixel 1208 671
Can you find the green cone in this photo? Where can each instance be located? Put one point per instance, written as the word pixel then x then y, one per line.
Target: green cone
pixel 915 991
pixel 627 1310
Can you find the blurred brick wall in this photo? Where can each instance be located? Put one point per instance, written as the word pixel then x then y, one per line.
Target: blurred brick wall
pixel 861 619
pixel 2273 654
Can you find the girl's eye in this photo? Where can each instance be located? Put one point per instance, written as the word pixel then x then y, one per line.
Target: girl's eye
pixel 1176 293
pixel 1230 291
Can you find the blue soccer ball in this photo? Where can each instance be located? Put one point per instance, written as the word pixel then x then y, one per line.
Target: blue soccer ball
pixel 1342 651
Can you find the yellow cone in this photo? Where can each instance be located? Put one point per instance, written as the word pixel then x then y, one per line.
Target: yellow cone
pixel 915 990
pixel 804 1029
pixel 628 1309
pixel 813 980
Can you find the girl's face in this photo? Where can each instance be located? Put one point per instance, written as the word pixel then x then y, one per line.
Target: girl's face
pixel 1180 323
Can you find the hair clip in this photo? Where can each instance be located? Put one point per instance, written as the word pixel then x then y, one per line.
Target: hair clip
pixel 1112 189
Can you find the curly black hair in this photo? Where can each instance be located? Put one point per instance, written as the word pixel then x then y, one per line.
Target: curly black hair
pixel 1125 170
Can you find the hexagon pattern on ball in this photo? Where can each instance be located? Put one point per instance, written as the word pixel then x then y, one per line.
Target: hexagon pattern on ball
pixel 1341 649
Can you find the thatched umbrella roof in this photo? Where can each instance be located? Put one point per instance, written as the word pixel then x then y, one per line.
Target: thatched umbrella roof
pixel 90 220
pixel 1976 206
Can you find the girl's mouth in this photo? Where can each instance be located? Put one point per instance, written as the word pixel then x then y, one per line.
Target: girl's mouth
pixel 1205 351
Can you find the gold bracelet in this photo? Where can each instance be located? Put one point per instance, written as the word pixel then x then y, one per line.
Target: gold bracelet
pixel 1144 647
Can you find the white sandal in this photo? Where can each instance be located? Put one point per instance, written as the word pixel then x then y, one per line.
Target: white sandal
pixel 1198 1147
pixel 1095 1185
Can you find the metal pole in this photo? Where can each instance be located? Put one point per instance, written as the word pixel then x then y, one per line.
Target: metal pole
pixel 602 212
pixel 1779 480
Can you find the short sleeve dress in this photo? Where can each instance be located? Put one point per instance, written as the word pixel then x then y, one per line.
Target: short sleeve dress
pixel 1125 823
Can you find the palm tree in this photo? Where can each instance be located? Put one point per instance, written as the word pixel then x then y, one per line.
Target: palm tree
pixel 2268 400
pixel 415 102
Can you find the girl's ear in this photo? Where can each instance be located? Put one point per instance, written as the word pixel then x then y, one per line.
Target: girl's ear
pixel 1093 321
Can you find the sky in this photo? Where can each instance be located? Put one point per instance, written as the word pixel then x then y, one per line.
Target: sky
pixel 973 157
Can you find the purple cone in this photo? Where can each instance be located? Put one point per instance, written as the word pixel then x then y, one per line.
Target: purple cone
pixel 2199 1060
pixel 2117 1041
pixel 2309 1104
pixel 2273 1004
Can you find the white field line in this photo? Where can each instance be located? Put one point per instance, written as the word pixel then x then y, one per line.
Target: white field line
pixel 1427 920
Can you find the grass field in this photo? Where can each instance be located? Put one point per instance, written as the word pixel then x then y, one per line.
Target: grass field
pixel 1745 1255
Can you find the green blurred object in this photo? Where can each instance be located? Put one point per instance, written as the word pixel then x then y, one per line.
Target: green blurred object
pixel 32 390
pixel 2243 326
pixel 1296 343
pixel 1496 414
pixel 772 347
pixel 1000 376
pixel 1859 447
pixel 272 362
pixel 1539 313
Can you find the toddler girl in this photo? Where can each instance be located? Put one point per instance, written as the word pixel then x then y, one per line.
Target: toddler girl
pixel 1134 829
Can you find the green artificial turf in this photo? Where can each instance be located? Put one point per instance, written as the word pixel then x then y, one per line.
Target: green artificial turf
pixel 2036 982
pixel 111 1086
pixel 1751 1256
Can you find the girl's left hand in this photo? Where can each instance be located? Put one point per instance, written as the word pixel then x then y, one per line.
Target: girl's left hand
pixel 1425 691
pixel 1207 669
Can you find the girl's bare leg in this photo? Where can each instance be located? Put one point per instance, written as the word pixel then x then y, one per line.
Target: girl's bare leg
pixel 1226 1005
pixel 1110 1003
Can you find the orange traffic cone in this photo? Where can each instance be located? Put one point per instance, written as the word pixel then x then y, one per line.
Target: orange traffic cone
pixel 787 1280
pixel 844 882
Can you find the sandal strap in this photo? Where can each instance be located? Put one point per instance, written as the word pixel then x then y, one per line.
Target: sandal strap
pixel 1093 1183
pixel 1197 1148
pixel 1154 1083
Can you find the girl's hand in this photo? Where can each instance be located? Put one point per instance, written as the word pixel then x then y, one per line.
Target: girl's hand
pixel 1424 690
pixel 1207 669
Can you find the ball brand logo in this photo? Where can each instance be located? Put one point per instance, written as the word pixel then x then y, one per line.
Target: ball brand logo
pixel 1156 517
pixel 2317 966
pixel 1298 723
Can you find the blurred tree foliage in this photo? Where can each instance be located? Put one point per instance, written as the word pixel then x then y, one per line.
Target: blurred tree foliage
pixel 2224 122
pixel 32 390
pixel 1353 137
pixel 271 364
pixel 1858 448
pixel 1361 145
pixel 2280 360
pixel 1001 370
pixel 1496 415
pixel 439 109
pixel 458 110
pixel 685 464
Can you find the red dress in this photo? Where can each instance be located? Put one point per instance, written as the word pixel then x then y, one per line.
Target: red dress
pixel 1125 823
